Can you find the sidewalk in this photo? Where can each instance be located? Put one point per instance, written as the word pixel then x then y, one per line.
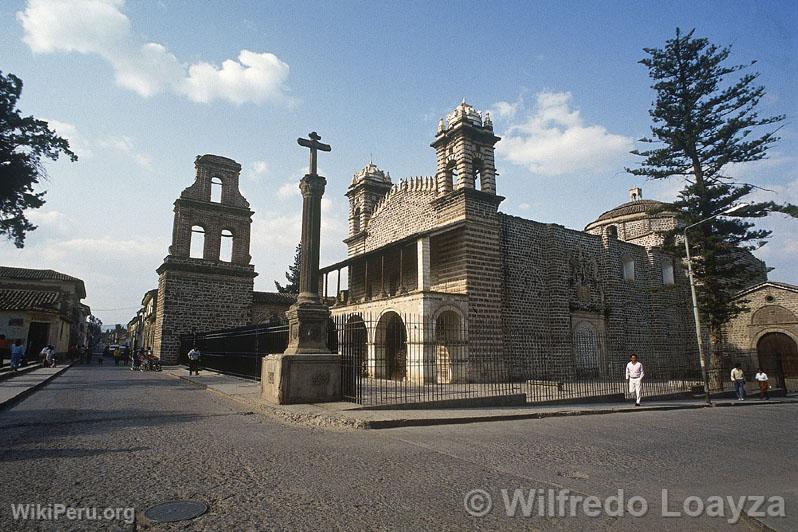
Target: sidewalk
pixel 351 415
pixel 17 387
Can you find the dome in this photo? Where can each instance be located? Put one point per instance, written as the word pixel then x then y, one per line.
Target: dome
pixel 630 207
pixel 372 173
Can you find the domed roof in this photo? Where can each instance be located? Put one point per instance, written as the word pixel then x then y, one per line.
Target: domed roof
pixel 371 171
pixel 630 207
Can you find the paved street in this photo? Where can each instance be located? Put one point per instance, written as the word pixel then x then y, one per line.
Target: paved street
pixel 108 437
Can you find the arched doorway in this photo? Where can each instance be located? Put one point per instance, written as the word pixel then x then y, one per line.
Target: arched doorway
pixel 449 360
pixel 391 346
pixel 778 349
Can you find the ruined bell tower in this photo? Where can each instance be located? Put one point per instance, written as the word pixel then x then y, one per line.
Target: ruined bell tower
pixel 206 280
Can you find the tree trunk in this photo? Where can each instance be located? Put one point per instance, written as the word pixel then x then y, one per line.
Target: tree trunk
pixel 716 369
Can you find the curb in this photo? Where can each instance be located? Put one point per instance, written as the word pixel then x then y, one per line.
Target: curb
pixel 24 393
pixel 345 422
pixel 9 374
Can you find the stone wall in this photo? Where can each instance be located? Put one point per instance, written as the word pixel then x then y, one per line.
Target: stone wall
pixel 773 307
pixel 556 279
pixel 199 297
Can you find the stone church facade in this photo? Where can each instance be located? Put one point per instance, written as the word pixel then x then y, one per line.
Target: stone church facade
pixel 546 301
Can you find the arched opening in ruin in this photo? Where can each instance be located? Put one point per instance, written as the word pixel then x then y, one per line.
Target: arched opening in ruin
pixel 197 246
pixel 216 189
pixel 226 246
pixel 391 347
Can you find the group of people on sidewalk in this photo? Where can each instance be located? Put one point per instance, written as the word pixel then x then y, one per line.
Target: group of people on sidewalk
pixel 738 378
pixel 635 374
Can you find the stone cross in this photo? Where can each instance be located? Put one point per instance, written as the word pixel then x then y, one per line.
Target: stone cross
pixel 314 145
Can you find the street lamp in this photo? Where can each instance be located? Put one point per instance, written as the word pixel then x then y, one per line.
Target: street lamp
pixel 697 318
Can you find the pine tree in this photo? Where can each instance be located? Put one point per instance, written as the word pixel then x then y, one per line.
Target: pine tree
pixel 705 122
pixel 292 276
pixel 24 141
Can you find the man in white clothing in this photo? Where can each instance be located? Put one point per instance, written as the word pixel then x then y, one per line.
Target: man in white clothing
pixel 634 374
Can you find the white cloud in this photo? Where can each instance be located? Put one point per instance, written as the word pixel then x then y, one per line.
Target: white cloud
pixel 288 190
pixel 554 140
pixel 255 77
pixel 260 168
pixel 99 27
pixel 524 206
pixel 506 109
pixel 127 146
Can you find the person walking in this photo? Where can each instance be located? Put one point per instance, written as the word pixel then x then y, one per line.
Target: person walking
pixel 17 354
pixel 762 379
pixel 738 378
pixel 117 355
pixel 193 361
pixel 635 374
pixel 49 357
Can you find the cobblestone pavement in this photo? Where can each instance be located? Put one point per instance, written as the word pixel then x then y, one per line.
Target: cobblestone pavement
pixel 108 437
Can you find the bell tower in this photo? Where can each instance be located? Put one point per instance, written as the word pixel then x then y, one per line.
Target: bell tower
pixel 464 146
pixel 206 280
pixel 369 186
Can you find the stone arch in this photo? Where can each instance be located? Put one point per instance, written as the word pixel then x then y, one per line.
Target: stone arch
pixel 217 189
pixel 777 351
pixel 390 347
pixel 771 315
pixel 227 245
pixel 450 343
pixel 477 170
pixel 197 242
pixel 586 350
pixel 451 176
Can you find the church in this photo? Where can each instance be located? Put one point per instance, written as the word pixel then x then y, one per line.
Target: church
pixel 444 288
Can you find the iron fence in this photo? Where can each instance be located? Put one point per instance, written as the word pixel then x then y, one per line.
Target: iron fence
pixel 393 359
pixel 238 351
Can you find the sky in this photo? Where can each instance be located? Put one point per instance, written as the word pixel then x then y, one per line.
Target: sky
pixel 140 88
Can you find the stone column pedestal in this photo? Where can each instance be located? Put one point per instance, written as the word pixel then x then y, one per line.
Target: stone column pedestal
pixel 306 378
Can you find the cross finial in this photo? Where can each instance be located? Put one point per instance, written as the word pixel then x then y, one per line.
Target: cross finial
pixel 314 145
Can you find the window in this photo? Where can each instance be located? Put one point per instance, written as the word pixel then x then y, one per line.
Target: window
pixel 667 274
pixel 16 322
pixel 226 247
pixel 628 269
pixel 197 249
pixel 356 221
pixel 612 231
pixel 451 176
pixel 216 189
pixel 477 174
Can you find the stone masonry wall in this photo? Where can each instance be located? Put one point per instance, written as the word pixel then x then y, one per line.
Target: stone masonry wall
pixel 191 300
pixel 555 277
pixel 772 309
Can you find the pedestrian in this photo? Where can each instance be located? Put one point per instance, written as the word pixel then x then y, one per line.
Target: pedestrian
pixel 193 361
pixel 762 379
pixel 635 374
pixel 17 354
pixel 43 354
pixel 738 378
pixel 117 355
pixel 50 356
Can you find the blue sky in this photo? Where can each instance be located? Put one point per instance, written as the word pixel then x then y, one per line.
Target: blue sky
pixel 141 88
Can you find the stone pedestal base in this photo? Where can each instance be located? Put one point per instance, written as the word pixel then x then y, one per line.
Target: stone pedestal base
pixel 305 378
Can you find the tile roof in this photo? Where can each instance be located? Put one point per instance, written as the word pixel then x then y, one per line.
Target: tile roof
pixel 7 272
pixel 20 299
